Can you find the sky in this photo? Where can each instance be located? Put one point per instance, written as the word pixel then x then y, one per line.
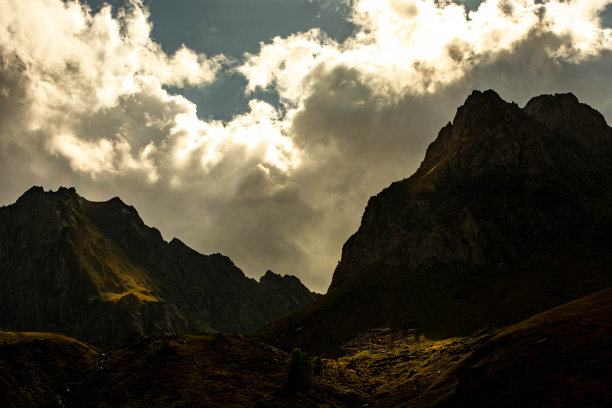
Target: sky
pixel 260 128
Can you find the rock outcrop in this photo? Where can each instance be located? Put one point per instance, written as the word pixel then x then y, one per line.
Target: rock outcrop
pixel 95 271
pixel 509 214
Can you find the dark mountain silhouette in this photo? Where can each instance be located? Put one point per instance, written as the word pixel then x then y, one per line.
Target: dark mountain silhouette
pixel 509 214
pixel 95 271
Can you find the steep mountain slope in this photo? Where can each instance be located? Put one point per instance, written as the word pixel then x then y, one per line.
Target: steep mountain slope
pixel 509 214
pixel 95 271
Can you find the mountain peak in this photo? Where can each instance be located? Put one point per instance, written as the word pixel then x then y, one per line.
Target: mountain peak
pixel 509 214
pixel 574 121
pixel 478 96
pixel 271 278
pixel 68 191
pixel 269 275
pixel 34 192
pixel 553 101
pixel 491 135
pixel 481 106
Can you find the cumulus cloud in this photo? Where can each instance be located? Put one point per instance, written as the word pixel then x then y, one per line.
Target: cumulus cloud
pixel 85 101
pixel 418 46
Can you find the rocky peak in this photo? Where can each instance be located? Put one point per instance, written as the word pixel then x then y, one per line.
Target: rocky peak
pixel 32 193
pixel 574 121
pixel 563 112
pixel 491 148
pixel 486 135
pixel 274 279
pixel 67 191
pixel 270 276
pixel 485 107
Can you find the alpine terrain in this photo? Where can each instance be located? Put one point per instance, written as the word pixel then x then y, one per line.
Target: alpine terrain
pixel 95 271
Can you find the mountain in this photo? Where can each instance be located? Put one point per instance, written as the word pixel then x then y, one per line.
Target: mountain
pixel 96 272
pixel 509 214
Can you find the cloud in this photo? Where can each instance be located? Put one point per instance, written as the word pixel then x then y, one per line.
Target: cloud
pixel 90 99
pixel 418 46
pixel 86 103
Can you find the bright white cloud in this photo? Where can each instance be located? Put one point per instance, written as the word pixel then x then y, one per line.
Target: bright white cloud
pixel 416 46
pixel 79 65
pixel 287 62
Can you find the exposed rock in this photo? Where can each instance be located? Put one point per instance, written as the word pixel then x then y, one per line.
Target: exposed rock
pixel 95 271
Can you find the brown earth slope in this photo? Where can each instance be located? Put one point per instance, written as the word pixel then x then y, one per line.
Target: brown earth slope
pixel 35 367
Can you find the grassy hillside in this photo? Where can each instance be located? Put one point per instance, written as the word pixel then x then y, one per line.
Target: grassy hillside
pixel 560 358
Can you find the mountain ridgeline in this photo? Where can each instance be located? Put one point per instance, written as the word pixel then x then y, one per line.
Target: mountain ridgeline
pixel 96 272
pixel 509 214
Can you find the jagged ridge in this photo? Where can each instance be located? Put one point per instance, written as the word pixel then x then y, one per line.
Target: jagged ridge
pixel 95 271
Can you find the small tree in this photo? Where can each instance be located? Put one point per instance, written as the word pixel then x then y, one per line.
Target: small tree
pixel 318 366
pixel 299 369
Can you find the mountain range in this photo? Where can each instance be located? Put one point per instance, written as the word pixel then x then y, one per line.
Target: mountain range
pixel 96 272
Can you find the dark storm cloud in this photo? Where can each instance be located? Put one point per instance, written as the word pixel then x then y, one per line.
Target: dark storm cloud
pixel 526 72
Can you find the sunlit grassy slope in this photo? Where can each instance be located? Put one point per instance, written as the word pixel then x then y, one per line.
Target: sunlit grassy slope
pixel 110 269
pixel 559 358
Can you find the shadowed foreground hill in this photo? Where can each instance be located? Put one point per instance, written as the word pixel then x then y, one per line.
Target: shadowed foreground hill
pixel 509 214
pixel 34 366
pixel 95 271
pixel 208 370
pixel 560 358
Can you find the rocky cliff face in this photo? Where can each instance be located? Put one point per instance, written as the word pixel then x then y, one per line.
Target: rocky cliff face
pixel 497 181
pixel 95 271
pixel 509 214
